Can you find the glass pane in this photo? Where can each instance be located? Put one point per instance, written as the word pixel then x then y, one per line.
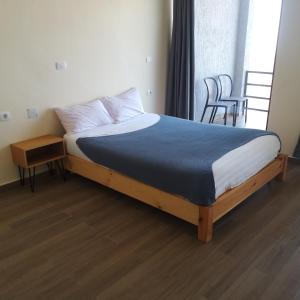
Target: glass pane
pixel 259 91
pixel 258 103
pixel 257 119
pixel 256 78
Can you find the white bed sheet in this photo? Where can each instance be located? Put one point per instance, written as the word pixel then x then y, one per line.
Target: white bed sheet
pixel 229 171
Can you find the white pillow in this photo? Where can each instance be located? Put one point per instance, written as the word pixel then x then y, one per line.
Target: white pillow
pixel 82 117
pixel 124 106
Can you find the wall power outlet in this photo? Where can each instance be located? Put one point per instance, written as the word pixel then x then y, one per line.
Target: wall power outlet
pixel 5 116
pixel 32 113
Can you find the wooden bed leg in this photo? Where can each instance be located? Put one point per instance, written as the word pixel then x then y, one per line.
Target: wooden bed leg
pixel 205 226
pixel 282 176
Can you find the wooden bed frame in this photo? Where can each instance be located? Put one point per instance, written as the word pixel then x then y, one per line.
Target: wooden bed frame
pixel 201 216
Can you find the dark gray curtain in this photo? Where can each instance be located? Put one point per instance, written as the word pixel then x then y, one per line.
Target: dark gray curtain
pixel 181 72
pixel 297 150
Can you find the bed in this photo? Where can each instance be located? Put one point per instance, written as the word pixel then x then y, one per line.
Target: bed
pixel 135 158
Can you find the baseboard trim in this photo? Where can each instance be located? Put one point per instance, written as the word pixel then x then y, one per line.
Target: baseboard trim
pixel 9 185
pixel 294 160
pixel 16 182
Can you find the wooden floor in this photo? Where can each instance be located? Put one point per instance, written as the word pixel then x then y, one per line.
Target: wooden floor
pixel 78 240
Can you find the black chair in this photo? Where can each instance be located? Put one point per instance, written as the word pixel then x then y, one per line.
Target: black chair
pixel 212 100
pixel 226 84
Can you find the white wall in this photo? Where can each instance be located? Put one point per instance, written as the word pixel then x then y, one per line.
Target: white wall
pixel 216 27
pixel 285 104
pixel 105 43
pixel 241 49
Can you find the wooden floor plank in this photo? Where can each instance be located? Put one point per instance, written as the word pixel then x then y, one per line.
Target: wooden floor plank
pixel 79 240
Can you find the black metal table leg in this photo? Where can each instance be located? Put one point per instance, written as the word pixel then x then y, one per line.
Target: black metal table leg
pixel 22 175
pixel 32 179
pixel 61 168
pixel 50 168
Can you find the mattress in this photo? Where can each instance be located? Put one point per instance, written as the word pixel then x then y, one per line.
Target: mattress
pixel 229 171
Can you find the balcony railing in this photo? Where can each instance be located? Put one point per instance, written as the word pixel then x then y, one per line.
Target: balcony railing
pixel 257 89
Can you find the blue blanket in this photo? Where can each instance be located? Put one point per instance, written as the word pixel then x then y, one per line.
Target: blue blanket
pixel 173 155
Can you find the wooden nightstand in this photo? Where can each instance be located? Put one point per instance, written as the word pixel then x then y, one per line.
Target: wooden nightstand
pixel 32 153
